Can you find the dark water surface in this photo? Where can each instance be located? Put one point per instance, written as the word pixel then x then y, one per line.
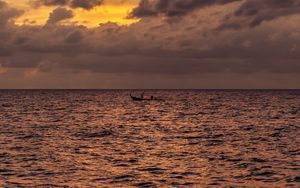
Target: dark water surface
pixel 193 139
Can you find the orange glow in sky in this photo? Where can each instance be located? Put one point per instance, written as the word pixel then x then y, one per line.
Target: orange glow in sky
pixel 110 11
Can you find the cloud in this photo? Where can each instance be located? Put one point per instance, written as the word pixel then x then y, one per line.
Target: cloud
pixel 253 13
pixel 74 37
pixel 59 14
pixel 84 4
pixel 51 2
pixel 7 13
pixel 170 8
pixel 140 48
pixel 186 53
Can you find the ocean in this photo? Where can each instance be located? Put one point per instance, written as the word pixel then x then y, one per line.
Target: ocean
pixel 193 138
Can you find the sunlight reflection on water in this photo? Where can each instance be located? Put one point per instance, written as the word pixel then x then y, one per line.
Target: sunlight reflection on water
pixel 193 138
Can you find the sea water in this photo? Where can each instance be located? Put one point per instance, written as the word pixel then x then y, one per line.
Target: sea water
pixel 194 138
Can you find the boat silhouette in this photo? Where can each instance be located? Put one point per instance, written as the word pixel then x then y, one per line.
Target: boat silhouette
pixel 144 99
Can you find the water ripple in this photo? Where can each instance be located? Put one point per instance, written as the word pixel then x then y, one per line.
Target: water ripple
pixel 100 138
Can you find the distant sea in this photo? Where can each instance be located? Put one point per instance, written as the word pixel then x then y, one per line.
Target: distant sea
pixel 193 138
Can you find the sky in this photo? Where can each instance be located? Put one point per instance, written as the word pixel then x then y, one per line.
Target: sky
pixel 149 44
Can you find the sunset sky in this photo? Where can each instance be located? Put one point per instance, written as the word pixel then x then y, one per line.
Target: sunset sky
pixel 149 44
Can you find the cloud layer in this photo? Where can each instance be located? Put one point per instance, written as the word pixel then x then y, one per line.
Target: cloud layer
pixel 85 4
pixel 199 50
pixel 172 8
pixel 254 12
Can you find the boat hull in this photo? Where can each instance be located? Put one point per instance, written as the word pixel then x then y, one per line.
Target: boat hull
pixel 144 99
pixel 139 99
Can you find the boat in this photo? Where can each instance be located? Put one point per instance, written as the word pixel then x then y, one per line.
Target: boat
pixel 139 99
pixel 144 99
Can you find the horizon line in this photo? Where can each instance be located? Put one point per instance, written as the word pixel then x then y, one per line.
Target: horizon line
pixel 138 89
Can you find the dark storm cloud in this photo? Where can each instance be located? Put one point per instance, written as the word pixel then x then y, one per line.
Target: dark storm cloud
pixel 148 8
pixel 59 14
pixel 254 12
pixel 85 4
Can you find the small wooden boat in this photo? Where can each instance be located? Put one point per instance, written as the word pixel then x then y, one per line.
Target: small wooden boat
pixel 139 99
pixel 144 99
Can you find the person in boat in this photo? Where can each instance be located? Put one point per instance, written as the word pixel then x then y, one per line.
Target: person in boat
pixel 142 95
pixel 152 98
